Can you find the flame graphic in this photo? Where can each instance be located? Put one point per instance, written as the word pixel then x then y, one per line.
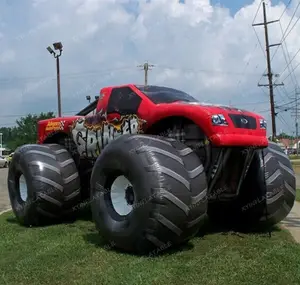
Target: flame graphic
pixel 96 123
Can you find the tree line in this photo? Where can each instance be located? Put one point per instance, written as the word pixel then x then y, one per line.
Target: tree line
pixel 25 131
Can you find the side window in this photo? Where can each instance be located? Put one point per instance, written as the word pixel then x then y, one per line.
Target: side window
pixel 123 101
pixel 91 112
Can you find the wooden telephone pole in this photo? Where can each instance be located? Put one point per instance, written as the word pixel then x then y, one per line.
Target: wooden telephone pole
pixel 146 67
pixel 295 114
pixel 269 69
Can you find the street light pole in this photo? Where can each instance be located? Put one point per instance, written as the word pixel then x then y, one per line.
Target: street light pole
pixel 57 46
pixel 58 86
pixel 1 143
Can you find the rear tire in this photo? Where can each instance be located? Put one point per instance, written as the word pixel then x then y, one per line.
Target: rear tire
pixel 169 190
pixel 52 184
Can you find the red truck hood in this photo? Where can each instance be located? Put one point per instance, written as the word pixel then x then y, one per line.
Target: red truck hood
pixel 221 109
pixel 234 134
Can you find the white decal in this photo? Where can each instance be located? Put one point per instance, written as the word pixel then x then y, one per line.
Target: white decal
pixel 93 133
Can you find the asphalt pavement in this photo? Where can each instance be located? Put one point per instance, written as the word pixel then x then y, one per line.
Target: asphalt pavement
pixel 4 200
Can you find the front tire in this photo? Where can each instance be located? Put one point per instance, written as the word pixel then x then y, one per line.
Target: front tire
pixel 266 201
pixel 43 184
pixel 168 193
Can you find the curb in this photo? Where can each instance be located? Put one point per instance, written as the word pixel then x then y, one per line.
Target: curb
pixel 5 211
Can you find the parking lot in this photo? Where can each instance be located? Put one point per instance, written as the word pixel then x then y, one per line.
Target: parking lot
pixel 4 200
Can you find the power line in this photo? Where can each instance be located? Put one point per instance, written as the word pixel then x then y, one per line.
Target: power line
pixel 105 71
pixel 290 62
pixel 284 122
pixel 284 36
pixel 288 103
pixel 247 65
pixel 293 70
pixel 282 92
pixel 257 10
pixel 255 47
pixel 254 103
pixel 288 4
pixel 253 25
pixel 289 58
pixel 66 75
pixel 225 72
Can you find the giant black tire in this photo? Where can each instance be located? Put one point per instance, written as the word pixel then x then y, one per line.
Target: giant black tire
pixel 266 201
pixel 85 169
pixel 53 184
pixel 287 188
pixel 169 185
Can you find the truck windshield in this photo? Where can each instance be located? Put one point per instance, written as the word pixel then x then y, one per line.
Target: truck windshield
pixel 158 94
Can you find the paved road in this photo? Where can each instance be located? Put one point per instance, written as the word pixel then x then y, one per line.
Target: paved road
pixel 4 200
pixel 297 181
pixel 292 222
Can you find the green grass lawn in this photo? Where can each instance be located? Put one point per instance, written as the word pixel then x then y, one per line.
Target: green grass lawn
pixel 296 164
pixel 75 254
pixel 298 195
pixel 294 156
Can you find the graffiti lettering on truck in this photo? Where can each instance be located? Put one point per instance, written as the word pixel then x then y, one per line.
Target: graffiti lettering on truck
pixel 92 134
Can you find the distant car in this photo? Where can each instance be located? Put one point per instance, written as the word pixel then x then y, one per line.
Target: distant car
pixel 292 151
pixel 3 162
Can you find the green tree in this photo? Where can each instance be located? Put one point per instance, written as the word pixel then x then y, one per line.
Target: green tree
pixel 25 131
pixel 284 136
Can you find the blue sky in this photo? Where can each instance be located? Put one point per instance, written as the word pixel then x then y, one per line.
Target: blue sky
pixel 235 5
pixel 209 52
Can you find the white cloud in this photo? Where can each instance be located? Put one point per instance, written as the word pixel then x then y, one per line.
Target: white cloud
pixel 7 56
pixel 196 47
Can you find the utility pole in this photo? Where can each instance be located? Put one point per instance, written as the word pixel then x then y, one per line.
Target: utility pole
pixel 296 115
pixel 296 120
pixel 146 67
pixel 269 69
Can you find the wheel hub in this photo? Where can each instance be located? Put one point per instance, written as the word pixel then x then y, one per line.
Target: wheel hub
pixel 122 195
pixel 129 195
pixel 23 188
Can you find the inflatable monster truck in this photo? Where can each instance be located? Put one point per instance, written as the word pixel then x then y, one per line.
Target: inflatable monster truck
pixel 153 163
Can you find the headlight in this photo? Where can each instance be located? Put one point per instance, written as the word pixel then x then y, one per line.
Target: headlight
pixel 263 124
pixel 219 120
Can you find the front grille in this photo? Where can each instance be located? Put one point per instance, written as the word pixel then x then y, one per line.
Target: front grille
pixel 243 122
